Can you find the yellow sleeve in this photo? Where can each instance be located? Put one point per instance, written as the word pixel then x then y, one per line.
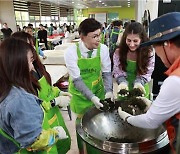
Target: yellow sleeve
pixel 56 91
pixel 45 140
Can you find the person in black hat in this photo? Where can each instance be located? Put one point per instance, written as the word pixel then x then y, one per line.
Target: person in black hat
pixel 165 38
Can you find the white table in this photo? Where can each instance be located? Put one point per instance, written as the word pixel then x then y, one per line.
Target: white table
pixel 63 46
pixel 55 40
pixel 54 57
pixel 56 71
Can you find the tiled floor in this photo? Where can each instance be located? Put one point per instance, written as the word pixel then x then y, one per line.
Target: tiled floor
pixel 71 127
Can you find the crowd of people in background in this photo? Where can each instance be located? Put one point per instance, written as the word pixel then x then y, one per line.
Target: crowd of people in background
pixel 41 34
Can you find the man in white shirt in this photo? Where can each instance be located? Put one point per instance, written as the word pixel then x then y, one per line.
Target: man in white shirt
pixel 89 67
pixel 165 37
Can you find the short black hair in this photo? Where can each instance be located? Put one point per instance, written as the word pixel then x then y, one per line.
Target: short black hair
pixel 117 23
pixel 30 25
pixel 88 25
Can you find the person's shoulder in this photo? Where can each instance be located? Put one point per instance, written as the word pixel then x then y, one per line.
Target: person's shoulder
pixel 71 49
pixel 18 96
pixel 72 46
pixel 19 92
pixel 104 47
pixel 117 51
pixel 2 30
pixel 172 81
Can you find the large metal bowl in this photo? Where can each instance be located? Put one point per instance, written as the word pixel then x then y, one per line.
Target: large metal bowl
pixel 96 128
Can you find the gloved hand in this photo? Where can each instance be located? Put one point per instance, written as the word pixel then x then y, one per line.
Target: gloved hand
pixel 124 115
pixel 140 86
pixel 109 95
pixel 123 85
pixel 62 93
pixel 96 102
pixel 146 101
pixel 61 132
pixel 62 101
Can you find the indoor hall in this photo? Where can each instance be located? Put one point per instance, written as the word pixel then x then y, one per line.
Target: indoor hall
pixel 99 130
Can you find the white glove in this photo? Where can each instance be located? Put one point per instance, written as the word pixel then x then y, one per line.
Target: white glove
pixel 109 95
pixel 140 86
pixel 96 102
pixel 62 93
pixel 123 85
pixel 146 101
pixel 61 132
pixel 124 115
pixel 62 101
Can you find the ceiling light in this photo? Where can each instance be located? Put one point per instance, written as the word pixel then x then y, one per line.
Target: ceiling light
pixel 100 1
pixel 129 2
pixel 72 2
pixel 166 1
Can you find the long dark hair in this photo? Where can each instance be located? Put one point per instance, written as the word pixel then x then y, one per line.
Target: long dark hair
pixel 143 54
pixel 14 67
pixel 37 63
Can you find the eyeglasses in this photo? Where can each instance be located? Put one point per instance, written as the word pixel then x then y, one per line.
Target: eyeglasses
pixel 95 36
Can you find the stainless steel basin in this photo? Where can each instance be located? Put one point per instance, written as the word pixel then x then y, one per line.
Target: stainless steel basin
pixel 99 128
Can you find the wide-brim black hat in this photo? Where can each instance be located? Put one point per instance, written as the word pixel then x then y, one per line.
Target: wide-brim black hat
pixel 163 28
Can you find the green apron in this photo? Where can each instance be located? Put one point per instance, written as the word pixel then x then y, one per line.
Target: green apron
pixel 113 44
pixel 45 126
pixel 48 93
pixel 102 37
pixel 90 71
pixel 131 76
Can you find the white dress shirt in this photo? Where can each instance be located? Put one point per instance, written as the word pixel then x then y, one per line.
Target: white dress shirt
pixel 71 58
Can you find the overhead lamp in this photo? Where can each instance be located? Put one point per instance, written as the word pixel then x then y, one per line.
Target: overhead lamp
pixel 166 1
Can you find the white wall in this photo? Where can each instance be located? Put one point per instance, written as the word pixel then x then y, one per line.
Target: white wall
pixel 142 5
pixel 7 14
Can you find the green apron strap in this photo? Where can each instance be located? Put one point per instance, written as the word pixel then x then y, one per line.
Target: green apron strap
pixel 9 137
pixel 98 51
pixel 78 51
